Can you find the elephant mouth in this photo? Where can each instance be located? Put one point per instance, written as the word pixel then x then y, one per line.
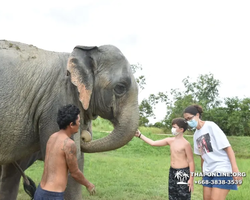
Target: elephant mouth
pixel 86 135
pixel 113 120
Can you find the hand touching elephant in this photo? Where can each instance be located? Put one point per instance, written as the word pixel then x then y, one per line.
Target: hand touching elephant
pixel 35 83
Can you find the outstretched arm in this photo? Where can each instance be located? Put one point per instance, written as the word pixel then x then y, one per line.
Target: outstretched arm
pixel 158 143
pixel 71 160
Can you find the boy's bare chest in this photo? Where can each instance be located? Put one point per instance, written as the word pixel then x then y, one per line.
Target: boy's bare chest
pixel 177 148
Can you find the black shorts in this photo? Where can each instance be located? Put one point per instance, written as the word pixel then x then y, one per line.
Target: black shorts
pixel 177 184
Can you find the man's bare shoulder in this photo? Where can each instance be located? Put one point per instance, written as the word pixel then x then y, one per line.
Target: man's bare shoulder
pixel 69 149
pixel 69 146
pixel 54 136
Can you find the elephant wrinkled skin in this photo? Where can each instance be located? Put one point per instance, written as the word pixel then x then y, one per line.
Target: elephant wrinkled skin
pixel 35 83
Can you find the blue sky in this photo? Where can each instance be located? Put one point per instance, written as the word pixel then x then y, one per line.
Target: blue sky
pixel 170 39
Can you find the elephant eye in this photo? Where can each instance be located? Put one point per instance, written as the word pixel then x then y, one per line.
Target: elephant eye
pixel 120 89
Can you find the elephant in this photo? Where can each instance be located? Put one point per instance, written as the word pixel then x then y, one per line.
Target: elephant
pixel 35 83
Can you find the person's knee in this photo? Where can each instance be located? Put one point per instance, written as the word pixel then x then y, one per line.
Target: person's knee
pixel 207 191
pixel 206 197
pixel 219 194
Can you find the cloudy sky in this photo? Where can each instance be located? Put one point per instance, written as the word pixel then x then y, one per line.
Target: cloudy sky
pixel 170 39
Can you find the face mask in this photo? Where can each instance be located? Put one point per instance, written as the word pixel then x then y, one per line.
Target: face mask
pixel 192 123
pixel 174 132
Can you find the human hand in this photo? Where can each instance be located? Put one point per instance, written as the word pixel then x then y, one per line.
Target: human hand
pixel 91 189
pixel 137 133
pixel 191 185
pixel 237 179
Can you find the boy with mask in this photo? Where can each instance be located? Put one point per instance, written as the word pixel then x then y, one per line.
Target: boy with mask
pixel 180 182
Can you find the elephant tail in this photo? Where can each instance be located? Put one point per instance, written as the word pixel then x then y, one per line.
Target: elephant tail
pixel 28 184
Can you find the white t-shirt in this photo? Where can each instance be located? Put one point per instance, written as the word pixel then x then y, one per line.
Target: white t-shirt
pixel 209 142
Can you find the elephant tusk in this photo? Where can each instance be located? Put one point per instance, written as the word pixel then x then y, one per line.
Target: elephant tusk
pixel 86 136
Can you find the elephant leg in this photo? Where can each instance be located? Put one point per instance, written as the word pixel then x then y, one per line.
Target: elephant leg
pixel 9 182
pixel 10 177
pixel 74 189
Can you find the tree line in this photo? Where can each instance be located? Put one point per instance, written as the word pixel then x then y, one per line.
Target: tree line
pixel 231 114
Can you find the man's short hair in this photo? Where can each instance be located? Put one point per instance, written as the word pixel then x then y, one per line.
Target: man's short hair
pixel 181 123
pixel 66 115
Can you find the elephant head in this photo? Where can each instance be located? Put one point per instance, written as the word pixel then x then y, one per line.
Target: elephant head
pixel 107 88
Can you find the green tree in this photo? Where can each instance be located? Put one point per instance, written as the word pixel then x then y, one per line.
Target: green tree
pixel 155 99
pixel 148 105
pixel 145 111
pixel 233 118
pixel 141 80
pixel 145 108
pixel 204 91
pixel 219 115
pixel 238 116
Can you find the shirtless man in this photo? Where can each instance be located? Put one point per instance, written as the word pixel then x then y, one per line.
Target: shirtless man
pixel 181 181
pixel 61 158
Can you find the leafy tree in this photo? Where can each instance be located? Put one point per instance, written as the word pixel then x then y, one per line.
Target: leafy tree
pixel 159 125
pixel 147 106
pixel 146 111
pixel 204 91
pixel 233 118
pixel 219 115
pixel 238 113
pixel 141 80
pixel 176 107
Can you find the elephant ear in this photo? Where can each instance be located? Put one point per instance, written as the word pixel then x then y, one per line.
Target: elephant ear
pixel 81 67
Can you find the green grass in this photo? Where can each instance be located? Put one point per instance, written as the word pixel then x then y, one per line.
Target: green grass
pixel 140 172
pixel 241 146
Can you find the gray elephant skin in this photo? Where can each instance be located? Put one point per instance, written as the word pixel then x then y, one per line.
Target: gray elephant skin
pixel 35 83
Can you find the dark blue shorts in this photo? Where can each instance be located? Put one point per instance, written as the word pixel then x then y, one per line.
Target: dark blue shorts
pixel 222 182
pixel 41 194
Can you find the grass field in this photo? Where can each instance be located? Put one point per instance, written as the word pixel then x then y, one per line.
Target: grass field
pixel 138 171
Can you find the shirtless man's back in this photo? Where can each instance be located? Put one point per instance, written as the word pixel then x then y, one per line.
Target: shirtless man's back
pixel 61 157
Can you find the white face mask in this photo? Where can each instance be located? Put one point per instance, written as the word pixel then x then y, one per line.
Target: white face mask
pixel 174 132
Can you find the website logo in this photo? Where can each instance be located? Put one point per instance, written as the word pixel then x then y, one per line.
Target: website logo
pixel 181 177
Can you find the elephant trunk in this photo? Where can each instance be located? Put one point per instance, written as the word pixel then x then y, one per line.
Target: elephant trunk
pixel 123 131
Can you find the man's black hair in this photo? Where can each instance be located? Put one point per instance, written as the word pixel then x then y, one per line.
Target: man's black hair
pixel 66 115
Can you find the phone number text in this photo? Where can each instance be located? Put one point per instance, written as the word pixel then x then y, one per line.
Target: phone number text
pixel 219 182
